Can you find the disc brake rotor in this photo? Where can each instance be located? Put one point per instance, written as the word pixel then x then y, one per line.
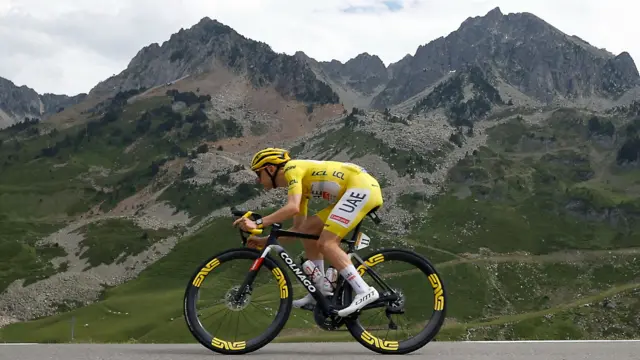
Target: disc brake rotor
pixel 232 303
pixel 398 304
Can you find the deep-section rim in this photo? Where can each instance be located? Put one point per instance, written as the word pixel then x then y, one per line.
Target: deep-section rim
pixel 238 347
pixel 437 317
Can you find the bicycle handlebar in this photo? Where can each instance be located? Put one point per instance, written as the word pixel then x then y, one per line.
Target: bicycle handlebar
pixel 248 214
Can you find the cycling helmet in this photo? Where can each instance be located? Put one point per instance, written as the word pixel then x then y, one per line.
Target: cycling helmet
pixel 273 156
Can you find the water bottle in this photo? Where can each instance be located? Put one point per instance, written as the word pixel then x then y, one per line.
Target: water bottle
pixel 331 275
pixel 312 270
pixel 316 276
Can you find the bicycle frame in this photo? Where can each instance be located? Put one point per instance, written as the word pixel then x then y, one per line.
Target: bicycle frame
pixel 321 301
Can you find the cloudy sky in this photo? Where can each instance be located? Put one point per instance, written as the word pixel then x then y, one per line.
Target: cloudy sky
pixel 67 46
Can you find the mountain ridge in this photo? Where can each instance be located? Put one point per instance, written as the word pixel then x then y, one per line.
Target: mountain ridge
pixel 364 81
pixel 484 40
pixel 189 52
pixel 20 102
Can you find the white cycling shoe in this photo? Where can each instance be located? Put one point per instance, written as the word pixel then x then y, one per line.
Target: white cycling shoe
pixel 360 301
pixel 308 301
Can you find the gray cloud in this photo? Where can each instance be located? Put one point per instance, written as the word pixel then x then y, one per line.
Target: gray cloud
pixel 115 36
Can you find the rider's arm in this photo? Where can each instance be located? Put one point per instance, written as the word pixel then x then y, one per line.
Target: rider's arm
pixel 298 220
pixel 291 208
pixel 293 175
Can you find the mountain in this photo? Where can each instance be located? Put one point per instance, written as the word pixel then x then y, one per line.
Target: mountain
pixel 237 72
pixel 525 52
pixel 210 44
pixel 18 103
pixel 364 73
pixel 507 153
pixel 356 82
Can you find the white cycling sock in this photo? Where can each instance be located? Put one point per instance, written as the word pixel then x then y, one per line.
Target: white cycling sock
pixel 355 280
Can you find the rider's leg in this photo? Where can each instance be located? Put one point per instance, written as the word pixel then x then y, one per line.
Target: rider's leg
pixel 330 245
pixel 311 248
pixel 312 225
pixel 360 198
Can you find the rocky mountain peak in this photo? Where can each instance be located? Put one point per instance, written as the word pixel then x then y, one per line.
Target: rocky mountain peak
pixel 301 55
pixel 364 73
pixel 366 63
pixel 208 44
pixel 494 13
pixel 492 17
pixel 527 52
pixel 624 63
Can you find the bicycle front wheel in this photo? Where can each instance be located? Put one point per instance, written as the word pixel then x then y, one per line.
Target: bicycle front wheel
pixel 411 277
pixel 227 322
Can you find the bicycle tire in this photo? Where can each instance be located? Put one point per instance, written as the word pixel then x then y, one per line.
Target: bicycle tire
pixel 237 347
pixel 432 327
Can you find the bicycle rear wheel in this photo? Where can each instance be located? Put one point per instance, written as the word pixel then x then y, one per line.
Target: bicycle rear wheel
pixel 271 283
pixel 413 282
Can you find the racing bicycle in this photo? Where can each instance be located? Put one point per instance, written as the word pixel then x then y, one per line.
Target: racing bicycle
pixel 248 290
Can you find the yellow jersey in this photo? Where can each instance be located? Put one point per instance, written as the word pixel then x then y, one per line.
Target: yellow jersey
pixel 329 180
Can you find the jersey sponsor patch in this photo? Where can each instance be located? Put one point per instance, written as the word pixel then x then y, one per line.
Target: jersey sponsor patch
pixel 339 219
pixel 326 190
pixel 349 205
pixel 293 184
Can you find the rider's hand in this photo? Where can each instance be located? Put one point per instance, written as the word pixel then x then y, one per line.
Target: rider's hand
pixel 245 224
pixel 257 242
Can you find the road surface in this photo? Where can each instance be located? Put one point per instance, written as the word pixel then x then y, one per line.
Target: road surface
pixel 597 350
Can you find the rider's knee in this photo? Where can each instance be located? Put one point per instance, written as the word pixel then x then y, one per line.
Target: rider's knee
pixel 327 240
pixel 322 246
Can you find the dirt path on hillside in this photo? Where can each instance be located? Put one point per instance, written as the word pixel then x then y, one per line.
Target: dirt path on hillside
pixel 574 256
pixel 555 257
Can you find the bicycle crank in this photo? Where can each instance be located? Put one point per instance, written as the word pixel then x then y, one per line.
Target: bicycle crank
pixel 329 323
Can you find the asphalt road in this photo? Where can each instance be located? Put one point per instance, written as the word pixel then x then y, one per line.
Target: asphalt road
pixel 299 351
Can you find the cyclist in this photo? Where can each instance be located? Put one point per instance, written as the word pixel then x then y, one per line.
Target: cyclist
pixel 352 193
